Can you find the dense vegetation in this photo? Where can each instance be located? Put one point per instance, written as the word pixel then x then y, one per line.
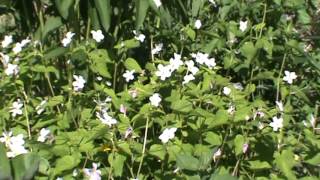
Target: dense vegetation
pixel 159 89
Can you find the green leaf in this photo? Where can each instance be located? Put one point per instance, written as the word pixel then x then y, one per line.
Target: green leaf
pixel 131 64
pixel 196 7
pixel 99 59
pixel 238 142
pixel 315 160
pixel 67 163
pixel 188 162
pixel 63 7
pixel 51 24
pixel 257 165
pixel 158 150
pixel 142 7
pixel 190 33
pixel 25 166
pixel 55 100
pixel 222 176
pixel 248 50
pixel 182 106
pixel 5 167
pixel 285 162
pixel 117 161
pixel 54 53
pixel 104 11
pixel 213 139
pixel 221 117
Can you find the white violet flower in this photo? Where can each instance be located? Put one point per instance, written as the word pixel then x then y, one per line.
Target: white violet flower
pixel 167 134
pixel 191 67
pixel 79 82
pixel 197 24
pixel 157 49
pixel 243 25
pixel 41 106
pixel 97 35
pixel 139 37
pixel 280 106
pixel 105 118
pixel 6 41
pixel 289 77
pixel 129 75
pixel 155 99
pixel 44 133
pixel 175 62
pixel 226 91
pixel 68 38
pixel 217 155
pixel 163 72
pixel 16 108
pixel 276 123
pixel 15 144
pixel 94 173
pixel 12 69
pixel 157 3
pixel 187 78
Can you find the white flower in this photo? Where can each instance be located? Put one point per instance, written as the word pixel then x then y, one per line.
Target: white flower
pixel 191 67
pixel 217 155
pixel 163 72
pixel 155 99
pixel 24 42
pixel 231 110
pixel 157 3
pixel 313 121
pixel 213 2
pixel 105 118
pixel 129 75
pixel 167 134
pixel 187 78
pixel 157 49
pixel 15 144
pixel 238 86
pixel 97 35
pixel 226 91
pixel 243 25
pixel 5 58
pixel 75 173
pixel 260 125
pixel 203 58
pixel 59 178
pixel 289 76
pixel 16 108
pixel 279 105
pixel 276 123
pixel 41 106
pixel 79 82
pixel 6 41
pixel 175 62
pixel 139 37
pixel 44 133
pixel 123 109
pixel 18 46
pixel 68 38
pixel 94 173
pixel 133 93
pixel 12 69
pixel 197 24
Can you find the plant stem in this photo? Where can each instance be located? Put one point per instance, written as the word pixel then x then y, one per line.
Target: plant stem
pixel 144 145
pixel 280 72
pixel 26 114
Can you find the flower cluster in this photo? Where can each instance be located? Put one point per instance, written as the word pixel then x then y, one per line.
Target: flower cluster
pixel 15 144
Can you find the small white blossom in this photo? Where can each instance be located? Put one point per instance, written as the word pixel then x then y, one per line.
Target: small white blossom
pixel 15 144
pixel 16 108
pixel 243 25
pixel 245 148
pixel 217 155
pixel 75 173
pixel 59 178
pixel 163 72
pixel 129 75
pixel 68 38
pixel 44 133
pixel 231 110
pixel 133 93
pixel 280 106
pixel 289 76
pixel 155 99
pixel 79 82
pixel 12 69
pixel 203 58
pixel 175 62
pixel 157 3
pixel 197 24
pixel 18 46
pixel 167 134
pixel 238 86
pixel 6 41
pixel 187 78
pixel 94 173
pixel 191 67
pixel 5 58
pixel 41 106
pixel 139 37
pixel 226 91
pixel 313 121
pixel 123 109
pixel 105 118
pixel 276 123
pixel 213 2
pixel 97 35
pixel 157 49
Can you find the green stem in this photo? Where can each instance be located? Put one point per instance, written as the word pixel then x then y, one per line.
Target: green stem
pixel 280 72
pixel 144 145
